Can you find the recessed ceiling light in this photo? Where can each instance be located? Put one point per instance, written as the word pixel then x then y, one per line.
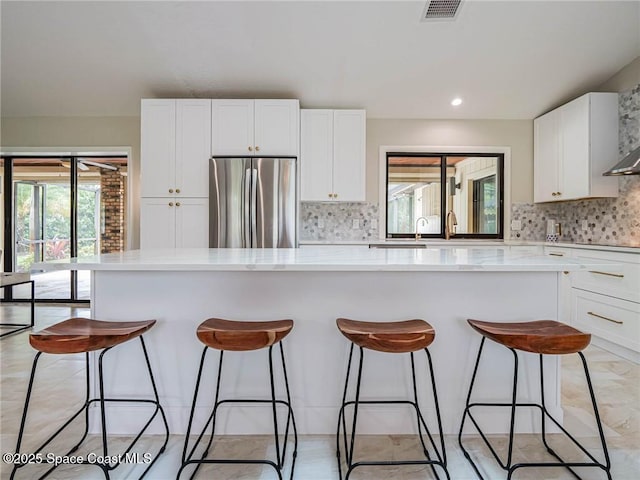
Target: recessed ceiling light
pixel 456 101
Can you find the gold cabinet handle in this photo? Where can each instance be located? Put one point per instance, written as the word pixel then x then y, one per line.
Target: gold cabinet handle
pixel 257 148
pixel 177 190
pixel 335 195
pixel 330 195
pixel 617 275
pixel 553 194
pixel 177 204
pixel 250 149
pixel 171 190
pixel 557 254
pixel 605 318
pixel 171 204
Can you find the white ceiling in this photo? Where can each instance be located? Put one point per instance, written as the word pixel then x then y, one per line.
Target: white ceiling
pixel 507 59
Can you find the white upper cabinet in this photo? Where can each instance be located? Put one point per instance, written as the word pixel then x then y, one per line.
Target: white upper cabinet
pixel 349 147
pixel 332 155
pixel 255 127
pixel 316 155
pixel 175 140
pixel 573 145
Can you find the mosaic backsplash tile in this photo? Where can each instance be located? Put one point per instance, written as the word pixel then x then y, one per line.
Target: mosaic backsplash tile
pixel 610 221
pixel 334 222
pixel 629 110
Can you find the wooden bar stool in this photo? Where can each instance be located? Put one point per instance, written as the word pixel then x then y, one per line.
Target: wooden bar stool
pixel 391 337
pixel 83 335
pixel 242 336
pixel 542 337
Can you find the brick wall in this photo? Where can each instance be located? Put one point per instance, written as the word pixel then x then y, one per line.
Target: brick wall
pixel 112 208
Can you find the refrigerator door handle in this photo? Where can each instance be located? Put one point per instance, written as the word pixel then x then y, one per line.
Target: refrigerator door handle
pixel 246 196
pixel 254 207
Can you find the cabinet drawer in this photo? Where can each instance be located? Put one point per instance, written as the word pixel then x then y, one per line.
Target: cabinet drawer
pixel 616 277
pixel 557 251
pixel 610 318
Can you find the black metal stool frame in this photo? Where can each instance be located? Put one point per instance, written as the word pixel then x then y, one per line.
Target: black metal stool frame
pixel 21 326
pixel 508 465
pixel 106 467
pixel 187 459
pixel 441 459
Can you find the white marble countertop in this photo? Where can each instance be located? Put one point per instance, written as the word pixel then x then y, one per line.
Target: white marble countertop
pixel 322 258
pixel 473 242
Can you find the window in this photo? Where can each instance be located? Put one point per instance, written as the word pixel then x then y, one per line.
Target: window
pixel 426 189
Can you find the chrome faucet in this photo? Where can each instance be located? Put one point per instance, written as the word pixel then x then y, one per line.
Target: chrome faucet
pixel 418 221
pixel 450 225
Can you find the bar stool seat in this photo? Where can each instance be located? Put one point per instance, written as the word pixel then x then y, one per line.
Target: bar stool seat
pixel 399 337
pixel 78 335
pixel 539 336
pixel 242 336
pixel 84 335
pixel 392 337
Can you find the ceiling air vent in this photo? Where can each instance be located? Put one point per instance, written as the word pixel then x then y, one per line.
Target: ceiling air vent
pixel 441 10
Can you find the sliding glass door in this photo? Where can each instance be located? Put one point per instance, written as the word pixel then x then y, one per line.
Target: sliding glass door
pixel 62 207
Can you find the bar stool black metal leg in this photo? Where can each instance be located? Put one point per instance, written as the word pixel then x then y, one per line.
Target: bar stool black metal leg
pixel 443 455
pixel 466 410
pixel 186 459
pixel 158 407
pixel 420 419
pixel 290 416
pixel 355 416
pixel 607 466
pixel 86 403
pixel 275 412
pixel 341 418
pixel 24 410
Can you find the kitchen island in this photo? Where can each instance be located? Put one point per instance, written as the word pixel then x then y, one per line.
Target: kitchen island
pixel 314 286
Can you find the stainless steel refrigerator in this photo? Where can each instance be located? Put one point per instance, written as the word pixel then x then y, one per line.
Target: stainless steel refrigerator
pixel 252 202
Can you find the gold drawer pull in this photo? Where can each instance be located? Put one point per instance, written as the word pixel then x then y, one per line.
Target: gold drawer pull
pixel 557 254
pixel 605 318
pixel 617 275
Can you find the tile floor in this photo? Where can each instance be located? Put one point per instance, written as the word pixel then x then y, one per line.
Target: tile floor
pixel 617 384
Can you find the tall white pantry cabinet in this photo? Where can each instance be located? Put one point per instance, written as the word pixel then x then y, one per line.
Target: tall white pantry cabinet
pixel 175 144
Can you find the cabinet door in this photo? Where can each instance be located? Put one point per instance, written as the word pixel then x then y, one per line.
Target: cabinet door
pixel 192 223
pixel 546 155
pixel 232 127
pixel 193 147
pixel 349 145
pixel 157 222
pixel 277 127
pixel 316 155
pixel 574 150
pixel 157 147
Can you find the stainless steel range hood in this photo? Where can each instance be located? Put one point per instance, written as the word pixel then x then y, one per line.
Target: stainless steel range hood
pixel 629 165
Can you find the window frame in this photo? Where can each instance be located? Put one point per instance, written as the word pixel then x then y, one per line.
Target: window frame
pixel 497 153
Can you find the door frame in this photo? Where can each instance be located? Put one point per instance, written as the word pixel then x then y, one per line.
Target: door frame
pixel 131 207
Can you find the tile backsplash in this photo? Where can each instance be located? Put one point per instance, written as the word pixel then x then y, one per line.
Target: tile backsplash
pixel 334 222
pixel 611 221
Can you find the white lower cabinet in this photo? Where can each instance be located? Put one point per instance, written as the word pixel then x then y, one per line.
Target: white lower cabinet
pixel 169 222
pixel 604 300
pixel 612 319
